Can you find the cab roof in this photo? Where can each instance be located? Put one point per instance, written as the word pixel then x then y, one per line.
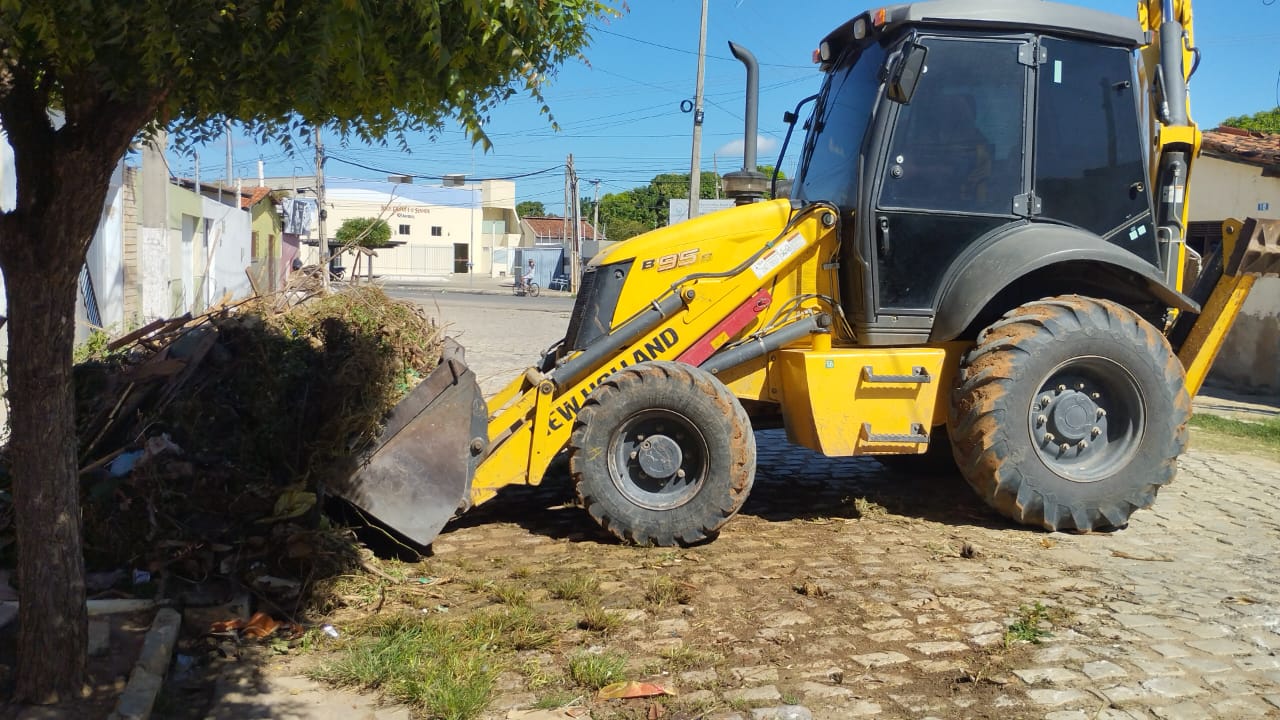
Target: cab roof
pixel 1005 15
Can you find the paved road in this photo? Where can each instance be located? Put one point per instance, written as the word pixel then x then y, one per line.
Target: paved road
pixel 1177 616
pixel 502 335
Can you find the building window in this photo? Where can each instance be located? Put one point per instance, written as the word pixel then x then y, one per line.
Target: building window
pixel 436 231
pixel 404 229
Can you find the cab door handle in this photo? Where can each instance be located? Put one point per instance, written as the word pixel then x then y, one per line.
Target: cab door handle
pixel 882 234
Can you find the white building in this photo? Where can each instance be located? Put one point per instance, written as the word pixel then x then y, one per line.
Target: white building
pixel 438 231
pixel 1238 176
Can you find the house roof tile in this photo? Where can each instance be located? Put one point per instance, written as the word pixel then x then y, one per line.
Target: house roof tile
pixel 553 228
pixel 1245 146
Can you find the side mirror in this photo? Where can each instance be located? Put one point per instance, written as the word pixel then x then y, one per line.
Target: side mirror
pixel 905 72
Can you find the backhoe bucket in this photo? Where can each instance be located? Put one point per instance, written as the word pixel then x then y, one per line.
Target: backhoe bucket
pixel 418 473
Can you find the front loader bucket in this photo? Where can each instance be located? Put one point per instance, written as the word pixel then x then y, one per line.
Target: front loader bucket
pixel 418 473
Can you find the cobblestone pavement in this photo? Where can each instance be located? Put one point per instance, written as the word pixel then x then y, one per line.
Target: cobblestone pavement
pixel 1176 616
pixel 860 592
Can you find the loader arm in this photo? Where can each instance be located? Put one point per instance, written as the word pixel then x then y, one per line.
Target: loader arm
pixel 531 419
pixel 1249 247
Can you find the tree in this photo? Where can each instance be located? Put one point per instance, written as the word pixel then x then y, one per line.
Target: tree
pixel 639 210
pixel 372 233
pixel 375 71
pixel 531 208
pixel 1267 121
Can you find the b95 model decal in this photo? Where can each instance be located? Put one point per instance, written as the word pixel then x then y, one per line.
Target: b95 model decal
pixel 672 261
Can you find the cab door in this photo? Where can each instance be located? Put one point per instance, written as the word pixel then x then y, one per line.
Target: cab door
pixel 954 169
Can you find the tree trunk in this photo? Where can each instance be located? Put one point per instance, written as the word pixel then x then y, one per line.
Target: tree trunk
pixel 52 635
pixel 42 248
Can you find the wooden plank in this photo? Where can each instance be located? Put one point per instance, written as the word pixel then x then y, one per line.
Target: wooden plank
pixel 135 335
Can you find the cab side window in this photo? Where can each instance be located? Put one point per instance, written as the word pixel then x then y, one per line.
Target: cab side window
pixel 1090 169
pixel 958 146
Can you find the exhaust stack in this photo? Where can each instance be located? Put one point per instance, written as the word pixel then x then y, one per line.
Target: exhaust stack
pixel 748 185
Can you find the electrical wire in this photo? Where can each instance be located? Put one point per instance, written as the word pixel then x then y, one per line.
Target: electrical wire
pixel 362 166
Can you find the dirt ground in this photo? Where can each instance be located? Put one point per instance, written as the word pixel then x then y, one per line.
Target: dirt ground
pixel 848 595
pixel 108 672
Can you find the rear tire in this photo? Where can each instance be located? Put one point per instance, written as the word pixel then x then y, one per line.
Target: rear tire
pixel 534 290
pixel 1069 414
pixel 662 454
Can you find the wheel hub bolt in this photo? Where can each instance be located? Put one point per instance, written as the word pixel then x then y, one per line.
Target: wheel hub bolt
pixel 634 454
pixel 1101 413
pixel 639 437
pixel 1040 420
pixel 1080 386
pixel 1096 396
pixel 1082 445
pixel 1064 447
pixel 680 473
pixel 1062 388
pixel 645 445
pixel 1048 438
pixel 1095 431
pixel 1046 400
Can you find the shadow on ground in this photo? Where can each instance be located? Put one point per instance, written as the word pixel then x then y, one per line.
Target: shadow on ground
pixel 792 483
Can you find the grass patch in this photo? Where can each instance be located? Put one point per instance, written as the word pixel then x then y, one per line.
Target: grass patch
pixel 595 670
pixel 578 587
pixel 514 628
pixel 1265 433
pixel 1029 625
pixel 864 508
pixel 434 667
pixel 557 699
pixel 598 620
pixel 662 590
pixel 683 657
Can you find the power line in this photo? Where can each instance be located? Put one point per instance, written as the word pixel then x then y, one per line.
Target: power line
pixel 353 163
pixel 691 52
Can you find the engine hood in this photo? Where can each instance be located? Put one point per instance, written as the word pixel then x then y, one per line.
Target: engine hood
pixel 717 234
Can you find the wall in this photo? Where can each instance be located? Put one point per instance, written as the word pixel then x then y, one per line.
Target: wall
pixel 434 220
pixel 267 258
pixel 1221 189
pixel 105 262
pixel 8 200
pixel 474 215
pixel 229 251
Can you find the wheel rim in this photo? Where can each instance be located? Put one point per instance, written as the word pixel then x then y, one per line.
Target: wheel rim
pixel 1087 419
pixel 658 459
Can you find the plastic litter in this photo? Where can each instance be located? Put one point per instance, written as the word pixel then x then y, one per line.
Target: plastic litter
pixel 124 463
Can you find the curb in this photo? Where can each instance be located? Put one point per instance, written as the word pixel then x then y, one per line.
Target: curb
pixel 139 696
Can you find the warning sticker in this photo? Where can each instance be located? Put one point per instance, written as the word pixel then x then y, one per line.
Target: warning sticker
pixel 768 262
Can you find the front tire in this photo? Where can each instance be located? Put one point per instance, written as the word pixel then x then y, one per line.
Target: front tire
pixel 662 454
pixel 1069 414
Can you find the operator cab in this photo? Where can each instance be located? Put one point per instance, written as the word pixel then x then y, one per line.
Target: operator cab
pixel 978 146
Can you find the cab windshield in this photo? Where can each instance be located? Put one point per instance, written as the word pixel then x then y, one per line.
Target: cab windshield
pixel 829 163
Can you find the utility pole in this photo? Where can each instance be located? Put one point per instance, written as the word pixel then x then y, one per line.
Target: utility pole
pixel 321 213
pixel 695 166
pixel 573 214
pixel 595 214
pixel 230 167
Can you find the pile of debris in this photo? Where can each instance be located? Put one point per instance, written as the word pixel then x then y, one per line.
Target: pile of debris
pixel 203 439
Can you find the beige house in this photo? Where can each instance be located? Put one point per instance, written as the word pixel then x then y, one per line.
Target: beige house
pixel 558 231
pixel 1238 176
pixel 438 232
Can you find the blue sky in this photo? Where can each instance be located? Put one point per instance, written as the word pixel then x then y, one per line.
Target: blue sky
pixel 620 117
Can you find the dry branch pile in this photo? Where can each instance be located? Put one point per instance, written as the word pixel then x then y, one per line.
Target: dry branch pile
pixel 202 439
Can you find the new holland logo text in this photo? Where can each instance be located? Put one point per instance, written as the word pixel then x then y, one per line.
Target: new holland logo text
pixel 652 349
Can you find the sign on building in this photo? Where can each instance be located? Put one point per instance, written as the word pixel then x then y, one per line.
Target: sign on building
pixel 678 208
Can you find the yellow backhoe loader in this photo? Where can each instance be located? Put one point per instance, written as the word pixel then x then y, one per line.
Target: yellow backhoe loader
pixel 982 257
